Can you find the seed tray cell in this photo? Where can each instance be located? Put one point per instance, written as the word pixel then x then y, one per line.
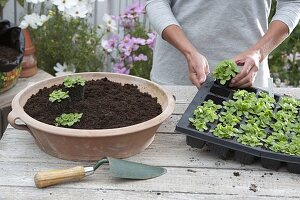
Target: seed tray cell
pixel 226 148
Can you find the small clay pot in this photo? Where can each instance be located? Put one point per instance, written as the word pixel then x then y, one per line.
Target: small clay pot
pixel 29 63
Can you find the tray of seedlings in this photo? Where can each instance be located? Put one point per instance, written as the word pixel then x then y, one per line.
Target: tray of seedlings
pixel 246 123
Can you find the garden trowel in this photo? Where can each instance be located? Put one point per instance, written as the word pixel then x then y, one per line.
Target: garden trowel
pixel 118 168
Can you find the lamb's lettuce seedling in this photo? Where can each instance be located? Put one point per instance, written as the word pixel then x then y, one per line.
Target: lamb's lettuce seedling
pixel 253 129
pixel 250 140
pixel 58 95
pixel 68 119
pixel 204 114
pixel 225 71
pixel 225 131
pixel 244 95
pixel 199 124
pixel 229 119
pixel 72 81
pixel 283 116
pixel 289 104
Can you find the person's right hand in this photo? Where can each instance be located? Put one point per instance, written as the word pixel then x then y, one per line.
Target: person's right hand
pixel 198 68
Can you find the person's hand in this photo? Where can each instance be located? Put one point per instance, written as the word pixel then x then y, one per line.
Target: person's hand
pixel 249 61
pixel 198 68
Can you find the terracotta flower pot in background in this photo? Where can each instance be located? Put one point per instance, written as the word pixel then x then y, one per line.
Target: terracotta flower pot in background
pixel 29 64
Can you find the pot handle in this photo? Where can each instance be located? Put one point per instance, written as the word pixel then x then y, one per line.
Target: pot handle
pixel 12 117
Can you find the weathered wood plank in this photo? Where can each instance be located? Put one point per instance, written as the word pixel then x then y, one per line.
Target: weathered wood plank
pixel 179 179
pixel 18 193
pixel 167 150
pixel 183 94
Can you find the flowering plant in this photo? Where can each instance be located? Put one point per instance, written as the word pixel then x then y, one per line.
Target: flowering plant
pixel 285 61
pixel 64 39
pixel 131 50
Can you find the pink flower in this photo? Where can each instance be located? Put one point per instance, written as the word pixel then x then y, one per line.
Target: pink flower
pixel 151 40
pixel 140 57
pixel 126 45
pixel 139 41
pixel 135 9
pixel 120 68
pixel 130 16
pixel 110 44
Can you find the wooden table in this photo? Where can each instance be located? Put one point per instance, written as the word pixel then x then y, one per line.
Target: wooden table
pixel 192 173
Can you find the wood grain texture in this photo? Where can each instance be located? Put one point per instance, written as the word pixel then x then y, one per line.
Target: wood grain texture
pixel 53 177
pixel 192 173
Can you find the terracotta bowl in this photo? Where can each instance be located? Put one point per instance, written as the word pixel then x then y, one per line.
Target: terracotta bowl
pixel 88 145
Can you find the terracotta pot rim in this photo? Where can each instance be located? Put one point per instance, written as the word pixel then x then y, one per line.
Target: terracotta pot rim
pixel 84 133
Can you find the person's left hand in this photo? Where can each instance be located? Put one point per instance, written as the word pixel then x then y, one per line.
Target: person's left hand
pixel 249 60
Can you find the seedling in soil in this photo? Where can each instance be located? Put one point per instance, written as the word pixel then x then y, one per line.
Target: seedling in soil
pixel 72 81
pixel 250 140
pixel 75 86
pixel 278 130
pixel 225 71
pixel 226 131
pixel 58 96
pixel 204 114
pixel 228 118
pixel 68 119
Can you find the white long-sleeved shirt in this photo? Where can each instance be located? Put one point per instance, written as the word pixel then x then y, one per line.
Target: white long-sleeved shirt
pixel 218 29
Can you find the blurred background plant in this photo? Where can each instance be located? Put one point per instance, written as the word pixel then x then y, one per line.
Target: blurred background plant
pixel 131 50
pixel 2 4
pixel 64 39
pixel 284 61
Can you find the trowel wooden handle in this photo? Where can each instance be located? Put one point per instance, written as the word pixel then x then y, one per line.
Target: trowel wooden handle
pixel 53 177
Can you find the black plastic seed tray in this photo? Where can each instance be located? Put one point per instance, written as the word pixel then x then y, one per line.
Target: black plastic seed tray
pixel 226 148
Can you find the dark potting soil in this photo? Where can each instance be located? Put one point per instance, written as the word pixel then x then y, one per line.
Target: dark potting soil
pixel 106 104
pixel 8 54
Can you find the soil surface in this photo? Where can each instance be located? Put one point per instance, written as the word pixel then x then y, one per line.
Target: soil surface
pixel 8 54
pixel 106 104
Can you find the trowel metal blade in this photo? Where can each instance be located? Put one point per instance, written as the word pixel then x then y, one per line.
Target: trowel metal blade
pixel 132 170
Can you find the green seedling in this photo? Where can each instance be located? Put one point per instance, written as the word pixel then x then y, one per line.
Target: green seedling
pixel 68 119
pixel 225 71
pixel 58 96
pixel 229 119
pixel 204 114
pixel 72 81
pixel 226 131
pixel 250 140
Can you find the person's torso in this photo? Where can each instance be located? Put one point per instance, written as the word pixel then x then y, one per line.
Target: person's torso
pixel 218 29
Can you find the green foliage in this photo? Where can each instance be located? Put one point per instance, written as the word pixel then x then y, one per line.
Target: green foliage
pixel 229 118
pixel 204 114
pixel 289 104
pixel 58 96
pixel 283 61
pixel 225 71
pixel 226 131
pixel 250 140
pixel 72 81
pixel 71 41
pixel 253 129
pixel 141 68
pixel 259 116
pixel 2 3
pixel 68 119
